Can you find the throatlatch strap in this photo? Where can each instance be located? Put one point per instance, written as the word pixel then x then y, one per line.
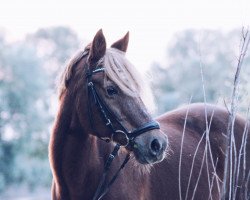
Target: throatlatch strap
pixel 116 175
pixel 103 188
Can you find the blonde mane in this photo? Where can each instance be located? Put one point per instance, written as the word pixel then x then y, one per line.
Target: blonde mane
pixel 122 72
pixel 119 70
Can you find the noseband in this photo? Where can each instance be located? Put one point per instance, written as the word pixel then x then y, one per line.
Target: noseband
pixel 122 136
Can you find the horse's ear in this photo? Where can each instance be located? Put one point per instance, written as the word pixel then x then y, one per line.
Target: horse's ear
pixel 97 48
pixel 122 44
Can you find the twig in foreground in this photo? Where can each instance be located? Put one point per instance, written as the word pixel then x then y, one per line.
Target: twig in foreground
pixel 232 113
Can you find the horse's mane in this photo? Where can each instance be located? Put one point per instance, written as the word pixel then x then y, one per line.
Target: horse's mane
pixel 118 69
pixel 68 72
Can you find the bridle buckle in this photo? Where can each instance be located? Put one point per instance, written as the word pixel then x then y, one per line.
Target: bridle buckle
pixel 108 122
pixel 90 84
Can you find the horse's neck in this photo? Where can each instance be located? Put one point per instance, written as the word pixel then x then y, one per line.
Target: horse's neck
pixel 83 163
pixel 77 158
pixel 91 153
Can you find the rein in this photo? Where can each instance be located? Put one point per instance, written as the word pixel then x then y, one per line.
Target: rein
pixel 126 137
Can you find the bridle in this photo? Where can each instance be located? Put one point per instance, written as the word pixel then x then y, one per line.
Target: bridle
pixel 121 136
pixel 129 136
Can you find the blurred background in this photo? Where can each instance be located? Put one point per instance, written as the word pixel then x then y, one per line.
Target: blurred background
pixel 170 42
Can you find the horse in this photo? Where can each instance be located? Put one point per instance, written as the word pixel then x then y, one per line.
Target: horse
pixel 102 105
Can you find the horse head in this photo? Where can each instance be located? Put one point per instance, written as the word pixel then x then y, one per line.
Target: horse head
pixel 108 99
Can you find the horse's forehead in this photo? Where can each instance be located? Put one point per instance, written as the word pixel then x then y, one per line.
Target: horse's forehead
pixel 115 65
pixel 114 60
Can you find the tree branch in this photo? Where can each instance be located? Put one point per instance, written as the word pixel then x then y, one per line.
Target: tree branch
pixel 228 184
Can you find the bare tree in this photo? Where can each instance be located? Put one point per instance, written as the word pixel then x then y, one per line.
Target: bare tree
pixel 230 172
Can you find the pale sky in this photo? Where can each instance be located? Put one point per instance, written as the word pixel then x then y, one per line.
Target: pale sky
pixel 152 24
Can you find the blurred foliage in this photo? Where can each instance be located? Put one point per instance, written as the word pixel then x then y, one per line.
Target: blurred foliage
pixel 27 73
pixel 180 80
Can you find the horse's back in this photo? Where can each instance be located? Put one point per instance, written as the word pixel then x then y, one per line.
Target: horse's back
pixel 198 133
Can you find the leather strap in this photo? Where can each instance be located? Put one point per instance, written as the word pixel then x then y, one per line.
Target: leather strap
pixel 103 187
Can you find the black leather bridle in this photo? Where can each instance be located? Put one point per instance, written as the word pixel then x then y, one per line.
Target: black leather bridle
pixel 121 136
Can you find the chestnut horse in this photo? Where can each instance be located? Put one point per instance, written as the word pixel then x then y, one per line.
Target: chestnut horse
pixel 101 99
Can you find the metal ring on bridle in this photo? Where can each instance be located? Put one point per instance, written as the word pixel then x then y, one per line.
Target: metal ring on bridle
pixel 90 84
pixel 120 136
pixel 108 122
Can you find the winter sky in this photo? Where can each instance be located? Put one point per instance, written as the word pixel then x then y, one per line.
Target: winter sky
pixel 152 24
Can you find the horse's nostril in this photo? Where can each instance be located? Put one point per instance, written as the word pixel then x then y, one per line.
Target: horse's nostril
pixel 155 146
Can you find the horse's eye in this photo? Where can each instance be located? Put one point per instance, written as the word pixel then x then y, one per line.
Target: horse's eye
pixel 111 91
